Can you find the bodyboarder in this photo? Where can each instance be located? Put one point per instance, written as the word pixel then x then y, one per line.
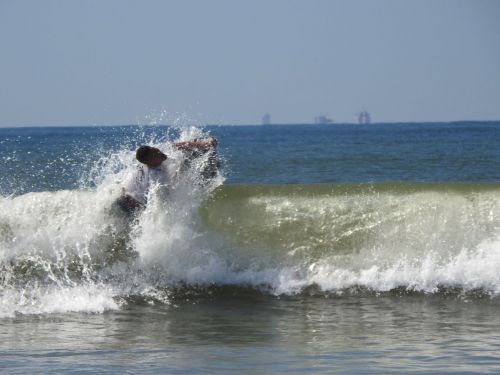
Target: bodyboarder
pixel 156 167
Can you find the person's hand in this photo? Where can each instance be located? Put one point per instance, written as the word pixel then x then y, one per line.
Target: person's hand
pixel 212 141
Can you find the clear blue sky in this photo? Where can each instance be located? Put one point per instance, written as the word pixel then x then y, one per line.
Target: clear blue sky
pixel 229 62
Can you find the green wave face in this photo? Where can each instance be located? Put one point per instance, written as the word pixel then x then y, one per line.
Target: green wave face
pixel 382 220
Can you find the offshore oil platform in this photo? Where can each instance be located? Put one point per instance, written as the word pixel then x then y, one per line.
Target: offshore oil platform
pixel 364 117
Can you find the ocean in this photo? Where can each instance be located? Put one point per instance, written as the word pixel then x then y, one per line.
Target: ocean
pixel 350 249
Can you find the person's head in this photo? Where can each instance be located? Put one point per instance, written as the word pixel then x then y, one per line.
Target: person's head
pixel 150 156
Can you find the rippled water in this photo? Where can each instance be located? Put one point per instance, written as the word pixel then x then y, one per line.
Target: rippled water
pixel 238 331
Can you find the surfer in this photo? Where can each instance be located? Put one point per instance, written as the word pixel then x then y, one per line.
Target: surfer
pixel 156 167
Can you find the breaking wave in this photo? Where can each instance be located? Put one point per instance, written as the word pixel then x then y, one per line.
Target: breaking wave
pixel 74 250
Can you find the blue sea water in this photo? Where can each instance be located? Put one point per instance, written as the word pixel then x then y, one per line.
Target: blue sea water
pixel 38 159
pixel 318 249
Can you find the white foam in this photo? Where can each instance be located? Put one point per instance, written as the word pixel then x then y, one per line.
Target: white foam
pixel 469 270
pixel 44 235
pixel 50 300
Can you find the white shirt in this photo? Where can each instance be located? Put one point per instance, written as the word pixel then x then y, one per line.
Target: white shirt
pixel 138 182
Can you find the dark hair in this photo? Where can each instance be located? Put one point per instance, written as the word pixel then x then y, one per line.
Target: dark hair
pixel 142 154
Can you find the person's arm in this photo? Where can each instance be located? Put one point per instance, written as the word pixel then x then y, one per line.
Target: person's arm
pixel 129 203
pixel 135 186
pixel 197 144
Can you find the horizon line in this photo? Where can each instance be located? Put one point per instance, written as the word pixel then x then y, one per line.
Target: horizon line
pixel 258 125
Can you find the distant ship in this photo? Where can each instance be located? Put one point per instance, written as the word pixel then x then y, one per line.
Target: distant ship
pixel 323 119
pixel 266 119
pixel 364 117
